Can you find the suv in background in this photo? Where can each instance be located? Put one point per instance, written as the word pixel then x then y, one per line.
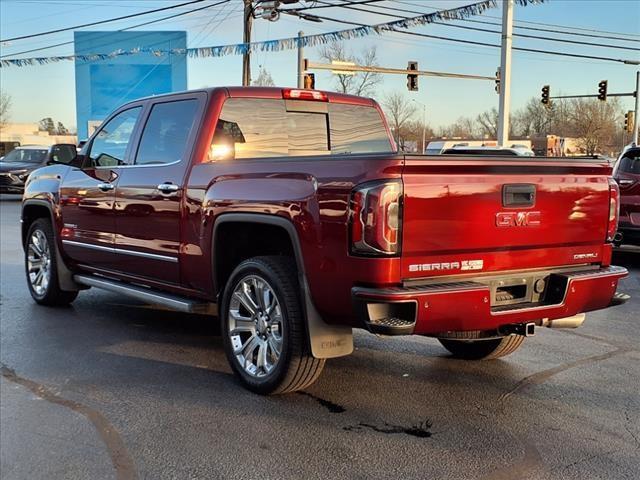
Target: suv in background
pixel 17 165
pixel 494 151
pixel 627 173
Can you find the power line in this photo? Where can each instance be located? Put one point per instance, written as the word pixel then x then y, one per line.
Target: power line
pixel 536 23
pixel 122 29
pixel 351 3
pixel 124 17
pixel 483 44
pixel 522 35
pixel 524 27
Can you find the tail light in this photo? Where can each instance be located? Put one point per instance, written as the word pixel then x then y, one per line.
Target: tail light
pixel 375 223
pixel 293 94
pixel 614 209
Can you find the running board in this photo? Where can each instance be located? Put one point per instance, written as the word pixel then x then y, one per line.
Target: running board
pixel 174 302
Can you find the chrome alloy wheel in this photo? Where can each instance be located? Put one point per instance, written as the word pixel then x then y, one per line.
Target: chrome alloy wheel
pixel 39 262
pixel 256 326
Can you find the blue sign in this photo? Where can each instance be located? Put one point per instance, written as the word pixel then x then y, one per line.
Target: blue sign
pixel 104 85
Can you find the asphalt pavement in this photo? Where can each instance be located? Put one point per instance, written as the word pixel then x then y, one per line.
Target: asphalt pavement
pixel 112 388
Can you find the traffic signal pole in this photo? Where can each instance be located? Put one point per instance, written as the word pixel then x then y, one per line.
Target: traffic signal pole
pixel 400 71
pixel 505 73
pixel 636 120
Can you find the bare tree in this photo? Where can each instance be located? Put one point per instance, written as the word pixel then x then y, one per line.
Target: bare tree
pixel 61 129
pixel 488 122
pixel 399 110
pixel 264 78
pixel 593 122
pixel 47 125
pixel 534 119
pixel 464 127
pixel 362 83
pixel 5 107
pixel 412 131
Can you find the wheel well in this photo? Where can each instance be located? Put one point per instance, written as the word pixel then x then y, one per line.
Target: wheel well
pixel 30 213
pixel 238 241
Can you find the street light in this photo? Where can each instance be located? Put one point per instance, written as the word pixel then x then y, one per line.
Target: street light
pixel 424 124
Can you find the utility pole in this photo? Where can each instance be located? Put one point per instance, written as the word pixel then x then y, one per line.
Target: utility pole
pixel 300 60
pixel 505 73
pixel 636 117
pixel 246 38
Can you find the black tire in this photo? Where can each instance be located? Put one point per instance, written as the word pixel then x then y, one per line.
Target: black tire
pixel 51 295
pixel 482 349
pixel 296 368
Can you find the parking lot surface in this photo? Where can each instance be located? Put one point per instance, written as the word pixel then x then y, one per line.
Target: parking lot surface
pixel 111 388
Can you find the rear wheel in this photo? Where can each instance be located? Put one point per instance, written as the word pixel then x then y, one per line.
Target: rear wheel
pixel 487 349
pixel 263 327
pixel 41 266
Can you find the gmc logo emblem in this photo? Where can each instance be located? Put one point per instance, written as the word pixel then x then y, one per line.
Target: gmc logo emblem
pixel 517 219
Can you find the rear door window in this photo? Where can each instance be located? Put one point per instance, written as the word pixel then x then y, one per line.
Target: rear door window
pixel 165 135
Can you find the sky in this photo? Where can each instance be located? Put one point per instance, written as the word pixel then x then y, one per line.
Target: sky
pixel 49 90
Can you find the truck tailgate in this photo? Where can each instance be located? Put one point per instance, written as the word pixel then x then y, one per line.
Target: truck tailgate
pixel 469 215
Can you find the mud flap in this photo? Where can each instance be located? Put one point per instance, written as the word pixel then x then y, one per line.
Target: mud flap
pixel 65 276
pixel 327 341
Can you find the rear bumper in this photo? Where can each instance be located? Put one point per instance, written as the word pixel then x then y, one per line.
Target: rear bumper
pixel 466 305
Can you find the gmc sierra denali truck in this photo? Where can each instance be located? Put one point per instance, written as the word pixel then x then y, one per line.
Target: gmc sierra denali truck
pixel 290 216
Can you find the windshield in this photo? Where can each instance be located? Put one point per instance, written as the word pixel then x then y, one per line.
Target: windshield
pixel 25 156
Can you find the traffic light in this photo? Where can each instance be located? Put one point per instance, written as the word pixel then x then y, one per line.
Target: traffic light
pixel 498 80
pixel 602 91
pixel 310 81
pixel 628 121
pixel 545 95
pixel 412 79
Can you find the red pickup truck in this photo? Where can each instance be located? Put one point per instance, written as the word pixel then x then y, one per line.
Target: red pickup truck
pixel 290 216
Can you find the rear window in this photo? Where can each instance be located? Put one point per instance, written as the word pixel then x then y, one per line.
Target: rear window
pixel 630 163
pixel 357 129
pixel 263 128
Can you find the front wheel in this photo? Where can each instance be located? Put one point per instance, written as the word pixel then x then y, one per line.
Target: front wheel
pixel 482 349
pixel 263 327
pixel 41 266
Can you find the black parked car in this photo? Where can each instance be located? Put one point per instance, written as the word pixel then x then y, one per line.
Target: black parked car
pixel 16 165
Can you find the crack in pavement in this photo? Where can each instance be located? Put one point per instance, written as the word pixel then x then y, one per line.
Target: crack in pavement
pixel 540 377
pixel 120 458
pixel 532 459
pixel 591 337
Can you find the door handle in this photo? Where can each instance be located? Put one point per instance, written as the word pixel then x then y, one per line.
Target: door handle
pixel 105 187
pixel 167 188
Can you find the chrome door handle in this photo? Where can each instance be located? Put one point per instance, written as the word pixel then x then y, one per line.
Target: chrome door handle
pixel 167 188
pixel 105 186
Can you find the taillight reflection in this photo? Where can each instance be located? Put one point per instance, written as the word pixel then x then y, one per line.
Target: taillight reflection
pixel 376 218
pixel 614 209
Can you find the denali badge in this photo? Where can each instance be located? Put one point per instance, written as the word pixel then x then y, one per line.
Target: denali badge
pixel 517 219
pixel 464 265
pixel 585 256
